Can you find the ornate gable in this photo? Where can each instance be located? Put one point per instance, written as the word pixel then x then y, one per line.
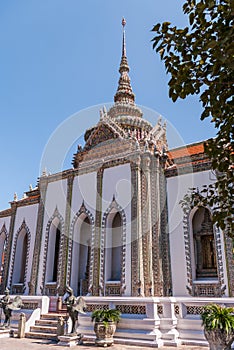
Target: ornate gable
pixel 103 132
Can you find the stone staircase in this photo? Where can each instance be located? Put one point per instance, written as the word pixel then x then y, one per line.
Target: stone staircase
pixel 46 327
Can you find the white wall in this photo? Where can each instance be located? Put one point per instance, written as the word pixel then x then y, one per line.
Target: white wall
pixel 84 188
pixel 177 187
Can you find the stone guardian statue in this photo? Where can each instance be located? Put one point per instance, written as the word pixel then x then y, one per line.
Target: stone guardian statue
pixel 8 306
pixel 75 305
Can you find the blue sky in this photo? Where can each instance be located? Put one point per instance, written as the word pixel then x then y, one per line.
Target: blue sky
pixel 59 57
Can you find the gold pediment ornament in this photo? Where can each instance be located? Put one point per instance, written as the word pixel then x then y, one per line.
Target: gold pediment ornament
pixel 102 133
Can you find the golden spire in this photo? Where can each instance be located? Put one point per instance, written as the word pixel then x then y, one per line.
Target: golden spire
pixel 124 94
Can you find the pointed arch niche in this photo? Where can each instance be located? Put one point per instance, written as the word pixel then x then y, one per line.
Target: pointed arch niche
pixel 113 250
pixel 204 245
pixel 3 248
pixel 205 276
pixel 80 251
pixel 53 254
pixel 20 259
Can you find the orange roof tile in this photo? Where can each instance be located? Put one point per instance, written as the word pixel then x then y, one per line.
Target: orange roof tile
pixel 186 151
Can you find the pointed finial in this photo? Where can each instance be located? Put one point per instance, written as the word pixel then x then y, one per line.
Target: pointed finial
pixel 15 197
pixel 104 110
pixel 124 45
pixel 101 114
pixel 44 172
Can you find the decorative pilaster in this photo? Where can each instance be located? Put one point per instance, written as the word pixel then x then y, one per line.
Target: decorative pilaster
pixel 229 245
pixel 146 224
pixel 95 288
pixel 9 246
pixel 3 232
pixel 62 281
pixel 156 227
pixel 43 183
pixel 165 245
pixel 136 228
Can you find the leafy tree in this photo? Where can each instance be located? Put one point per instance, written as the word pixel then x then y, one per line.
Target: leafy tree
pixel 200 60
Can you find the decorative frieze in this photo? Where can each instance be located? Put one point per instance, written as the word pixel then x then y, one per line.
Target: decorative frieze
pixel 136 228
pixel 9 246
pixel 146 224
pixel 156 228
pixel 165 243
pixel 5 213
pixel 43 183
pixel 5 235
pixel 95 287
pixel 229 245
pixel 132 309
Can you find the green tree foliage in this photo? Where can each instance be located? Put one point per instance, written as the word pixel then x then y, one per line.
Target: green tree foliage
pixel 200 60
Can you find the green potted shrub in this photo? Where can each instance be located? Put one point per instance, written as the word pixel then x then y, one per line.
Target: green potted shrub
pixel 218 322
pixel 105 325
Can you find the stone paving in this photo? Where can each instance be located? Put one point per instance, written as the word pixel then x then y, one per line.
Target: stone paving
pixel 37 344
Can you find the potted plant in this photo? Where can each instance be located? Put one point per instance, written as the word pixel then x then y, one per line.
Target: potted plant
pixel 105 325
pixel 218 322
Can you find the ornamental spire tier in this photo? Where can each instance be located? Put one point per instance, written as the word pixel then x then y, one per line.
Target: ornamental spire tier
pixel 124 98
pixel 124 92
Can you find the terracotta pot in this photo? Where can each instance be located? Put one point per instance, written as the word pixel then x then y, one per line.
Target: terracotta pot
pixel 104 333
pixel 219 340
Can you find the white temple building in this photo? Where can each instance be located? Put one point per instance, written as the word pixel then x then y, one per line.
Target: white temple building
pixel 112 224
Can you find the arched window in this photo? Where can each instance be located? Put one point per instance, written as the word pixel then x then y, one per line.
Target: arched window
pixel 53 251
pixel 81 249
pixel 204 244
pixel 113 249
pixel 3 242
pixel 20 258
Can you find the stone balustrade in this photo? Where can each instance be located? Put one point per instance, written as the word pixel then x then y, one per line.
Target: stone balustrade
pixel 169 321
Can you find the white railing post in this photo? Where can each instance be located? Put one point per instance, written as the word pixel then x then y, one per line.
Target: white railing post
pixel 168 325
pixel 153 318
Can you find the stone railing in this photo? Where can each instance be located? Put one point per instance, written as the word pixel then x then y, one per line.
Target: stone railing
pixel 164 321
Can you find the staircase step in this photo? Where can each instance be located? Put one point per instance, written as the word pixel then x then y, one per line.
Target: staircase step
pixel 46 327
pixel 53 315
pixel 38 335
pixel 45 322
pixel 43 329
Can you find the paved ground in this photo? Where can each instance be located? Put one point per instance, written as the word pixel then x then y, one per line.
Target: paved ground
pixel 37 344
